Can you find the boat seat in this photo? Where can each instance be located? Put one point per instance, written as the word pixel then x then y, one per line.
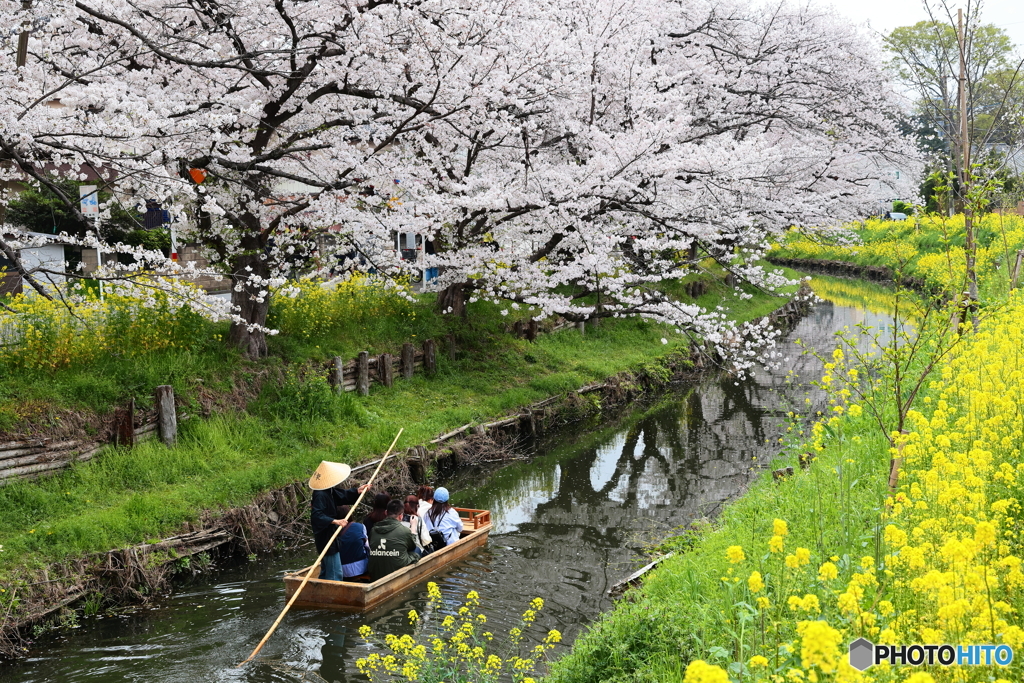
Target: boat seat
pixel 362 578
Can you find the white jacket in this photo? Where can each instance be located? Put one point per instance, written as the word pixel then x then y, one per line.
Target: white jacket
pixel 419 530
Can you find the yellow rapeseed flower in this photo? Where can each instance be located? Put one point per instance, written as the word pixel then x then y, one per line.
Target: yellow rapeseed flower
pixel 699 671
pixel 827 571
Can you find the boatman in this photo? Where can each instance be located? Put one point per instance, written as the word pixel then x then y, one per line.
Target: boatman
pixel 391 544
pixel 324 515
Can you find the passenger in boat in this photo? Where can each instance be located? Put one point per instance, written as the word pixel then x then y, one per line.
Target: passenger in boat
pixel 426 495
pixel 355 547
pixel 415 524
pixel 324 515
pixel 379 511
pixel 443 520
pixel 391 544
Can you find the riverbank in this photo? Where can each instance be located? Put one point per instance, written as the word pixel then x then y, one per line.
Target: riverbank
pixel 925 252
pixel 898 539
pixel 60 528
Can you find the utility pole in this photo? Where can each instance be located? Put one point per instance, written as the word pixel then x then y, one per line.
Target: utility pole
pixel 967 178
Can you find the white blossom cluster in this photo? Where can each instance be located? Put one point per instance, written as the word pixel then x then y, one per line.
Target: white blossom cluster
pixel 567 155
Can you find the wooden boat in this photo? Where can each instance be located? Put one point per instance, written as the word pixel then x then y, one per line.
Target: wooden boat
pixel 358 597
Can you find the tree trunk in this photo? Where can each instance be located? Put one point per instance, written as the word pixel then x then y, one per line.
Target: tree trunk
pixel 970 258
pixel 452 299
pixel 252 342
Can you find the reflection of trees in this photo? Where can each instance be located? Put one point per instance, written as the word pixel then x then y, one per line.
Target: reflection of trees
pixel 693 453
pixel 671 454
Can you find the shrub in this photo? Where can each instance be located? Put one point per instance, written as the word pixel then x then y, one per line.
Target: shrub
pixel 305 396
pixel 313 309
pixel 37 333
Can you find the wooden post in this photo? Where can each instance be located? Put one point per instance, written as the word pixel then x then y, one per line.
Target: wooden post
pixel 429 357
pixel 417 472
pixel 167 418
pixel 386 369
pixel 896 463
pixel 451 347
pixel 526 426
pixel 338 375
pixel 124 425
pixel 582 327
pixel 363 373
pixel 408 360
pixel 1016 269
pixel 894 472
pixel 532 328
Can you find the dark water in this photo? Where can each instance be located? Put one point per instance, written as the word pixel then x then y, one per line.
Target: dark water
pixel 567 525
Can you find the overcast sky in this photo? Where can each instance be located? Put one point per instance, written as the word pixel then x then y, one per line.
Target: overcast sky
pixel 885 15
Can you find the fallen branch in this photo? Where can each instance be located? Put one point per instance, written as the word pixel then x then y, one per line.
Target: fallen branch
pixel 633 579
pixel 456 432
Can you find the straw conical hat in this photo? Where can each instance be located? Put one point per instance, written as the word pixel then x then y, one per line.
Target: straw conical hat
pixel 328 475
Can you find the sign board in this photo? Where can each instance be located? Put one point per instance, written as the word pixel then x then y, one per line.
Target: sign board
pixel 90 200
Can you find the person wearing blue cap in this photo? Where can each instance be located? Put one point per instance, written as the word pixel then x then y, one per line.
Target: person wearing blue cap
pixel 442 520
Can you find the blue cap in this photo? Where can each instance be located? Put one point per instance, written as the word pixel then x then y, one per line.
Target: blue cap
pixel 441 495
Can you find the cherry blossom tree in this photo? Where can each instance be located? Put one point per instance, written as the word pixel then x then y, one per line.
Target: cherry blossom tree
pixel 260 118
pixel 658 135
pixel 569 155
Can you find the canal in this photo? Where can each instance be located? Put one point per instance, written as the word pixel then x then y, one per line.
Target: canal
pixel 569 523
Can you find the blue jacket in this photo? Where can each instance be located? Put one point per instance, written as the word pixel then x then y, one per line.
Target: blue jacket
pixel 355 551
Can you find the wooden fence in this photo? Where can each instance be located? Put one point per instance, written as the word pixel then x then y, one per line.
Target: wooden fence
pixel 37 457
pixel 357 374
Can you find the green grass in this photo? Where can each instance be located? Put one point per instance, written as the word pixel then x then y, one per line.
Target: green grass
pixel 43 398
pixel 126 497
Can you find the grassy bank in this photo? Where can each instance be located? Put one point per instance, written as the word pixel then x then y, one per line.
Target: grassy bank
pixel 795 570
pixel 125 497
pixel 928 247
pixel 65 373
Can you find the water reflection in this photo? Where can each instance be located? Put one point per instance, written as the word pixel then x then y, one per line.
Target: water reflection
pixel 567 523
